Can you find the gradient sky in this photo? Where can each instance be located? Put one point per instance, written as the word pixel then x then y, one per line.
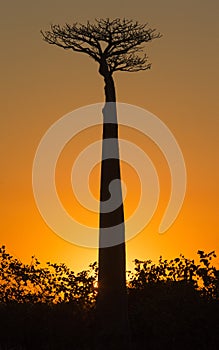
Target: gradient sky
pixel 41 83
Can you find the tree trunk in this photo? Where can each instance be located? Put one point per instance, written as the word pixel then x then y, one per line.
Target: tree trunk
pixel 112 298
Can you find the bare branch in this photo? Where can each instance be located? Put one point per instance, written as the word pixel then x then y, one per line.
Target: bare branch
pixel 72 37
pixel 124 41
pixel 129 63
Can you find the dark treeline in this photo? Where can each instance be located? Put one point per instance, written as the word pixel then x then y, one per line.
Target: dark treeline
pixel 172 304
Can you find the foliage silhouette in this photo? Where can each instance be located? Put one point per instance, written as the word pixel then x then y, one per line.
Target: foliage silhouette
pixel 172 304
pixel 55 283
pixel 202 277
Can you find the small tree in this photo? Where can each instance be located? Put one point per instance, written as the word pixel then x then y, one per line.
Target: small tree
pixel 116 45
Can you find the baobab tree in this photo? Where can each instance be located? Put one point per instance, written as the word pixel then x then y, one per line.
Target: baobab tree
pixel 116 45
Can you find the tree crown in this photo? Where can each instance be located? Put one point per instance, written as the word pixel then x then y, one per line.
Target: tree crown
pixel 116 43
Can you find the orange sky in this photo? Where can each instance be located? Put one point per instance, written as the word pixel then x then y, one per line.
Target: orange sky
pixel 41 83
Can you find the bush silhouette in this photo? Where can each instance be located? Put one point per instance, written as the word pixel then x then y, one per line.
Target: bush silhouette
pixel 55 283
pixel 172 304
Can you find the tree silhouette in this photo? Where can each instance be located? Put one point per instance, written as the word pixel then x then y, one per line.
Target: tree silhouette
pixel 116 45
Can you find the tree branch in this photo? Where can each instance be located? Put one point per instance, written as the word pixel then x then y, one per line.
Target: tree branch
pixel 124 41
